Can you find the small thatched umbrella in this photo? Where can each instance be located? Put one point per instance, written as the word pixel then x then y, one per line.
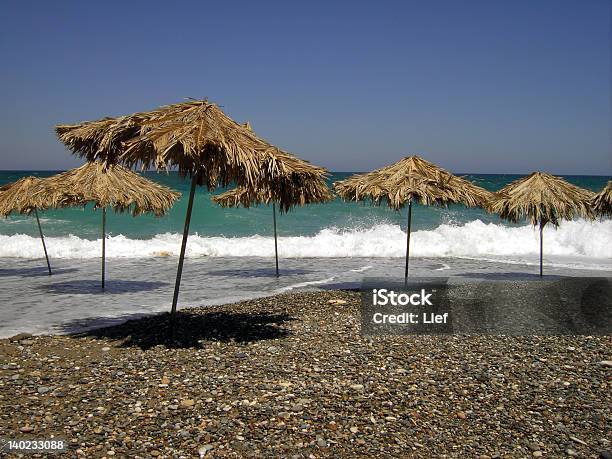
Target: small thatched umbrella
pixel 109 186
pixel 411 178
pixel 602 201
pixel 199 140
pixel 314 191
pixel 24 196
pixel 541 198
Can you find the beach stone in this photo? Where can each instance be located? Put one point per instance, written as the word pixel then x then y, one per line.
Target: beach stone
pixel 461 415
pixel 606 363
pixel 204 449
pixel 44 389
pixel 336 301
pixel 19 337
pixel 26 429
pixel 187 403
pixel 605 454
pixel 106 349
pixel 571 452
pixel 537 454
pixel 358 387
pixel 284 415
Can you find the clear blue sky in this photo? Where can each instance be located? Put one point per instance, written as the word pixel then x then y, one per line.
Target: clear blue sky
pixel 476 86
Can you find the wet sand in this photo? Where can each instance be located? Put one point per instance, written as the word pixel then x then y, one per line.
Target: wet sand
pixel 71 299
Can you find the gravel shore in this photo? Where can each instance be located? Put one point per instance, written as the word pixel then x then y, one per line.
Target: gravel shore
pixel 291 376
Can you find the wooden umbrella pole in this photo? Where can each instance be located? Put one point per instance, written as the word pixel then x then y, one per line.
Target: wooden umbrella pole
pixel 275 237
pixel 179 272
pixel 408 238
pixel 541 248
pixel 103 244
pixel 42 238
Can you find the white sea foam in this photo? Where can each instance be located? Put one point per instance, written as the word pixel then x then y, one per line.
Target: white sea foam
pixel 362 269
pixel 304 284
pixel 583 243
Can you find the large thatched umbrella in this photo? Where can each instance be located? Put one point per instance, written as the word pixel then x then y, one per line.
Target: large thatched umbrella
pixel 541 198
pixel 198 139
pixel 24 196
pixel 602 201
pixel 411 178
pixel 315 190
pixel 109 186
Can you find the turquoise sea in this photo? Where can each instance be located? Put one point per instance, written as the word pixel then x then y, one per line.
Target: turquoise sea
pixel 210 220
pixel 336 229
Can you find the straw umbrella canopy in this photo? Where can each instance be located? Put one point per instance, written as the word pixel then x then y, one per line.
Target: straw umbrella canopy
pixel 198 139
pixel 541 198
pixel 26 195
pixel 110 186
pixel 314 191
pixel 602 201
pixel 411 179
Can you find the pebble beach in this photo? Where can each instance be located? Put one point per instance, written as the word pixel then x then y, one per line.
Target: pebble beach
pixel 291 376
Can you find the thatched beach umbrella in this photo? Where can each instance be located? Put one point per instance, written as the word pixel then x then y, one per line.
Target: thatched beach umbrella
pixel 315 190
pixel 24 196
pixel 198 139
pixel 541 198
pixel 602 201
pixel 110 186
pixel 411 178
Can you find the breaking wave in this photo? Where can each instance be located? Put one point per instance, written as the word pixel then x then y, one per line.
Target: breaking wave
pixel 580 240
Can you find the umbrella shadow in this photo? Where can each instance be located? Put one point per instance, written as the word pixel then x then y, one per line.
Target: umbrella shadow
pixel 507 276
pixel 93 287
pixel 87 324
pixel 39 271
pixel 354 286
pixel 258 272
pixel 193 329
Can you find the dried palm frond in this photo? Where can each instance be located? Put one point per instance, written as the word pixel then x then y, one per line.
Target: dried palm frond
pixel 315 191
pixel 541 198
pixel 197 138
pixel 23 196
pixel 111 185
pixel 602 201
pixel 411 178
